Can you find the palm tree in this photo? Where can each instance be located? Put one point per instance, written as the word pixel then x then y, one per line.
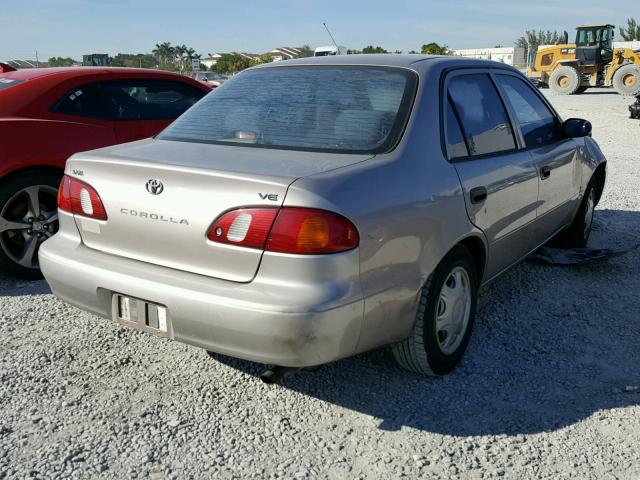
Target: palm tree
pixel 179 53
pixel 163 51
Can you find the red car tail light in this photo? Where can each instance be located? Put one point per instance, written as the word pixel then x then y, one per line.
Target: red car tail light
pixel 80 198
pixel 245 227
pixel 304 231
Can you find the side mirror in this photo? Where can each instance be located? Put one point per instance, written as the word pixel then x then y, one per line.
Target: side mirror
pixel 576 127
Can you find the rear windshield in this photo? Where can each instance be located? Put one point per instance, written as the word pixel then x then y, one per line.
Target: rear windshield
pixel 8 83
pixel 335 109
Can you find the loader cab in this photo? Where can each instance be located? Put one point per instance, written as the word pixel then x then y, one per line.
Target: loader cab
pixel 594 44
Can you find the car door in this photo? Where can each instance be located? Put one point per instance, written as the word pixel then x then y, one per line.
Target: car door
pixel 144 107
pixel 554 155
pixel 499 181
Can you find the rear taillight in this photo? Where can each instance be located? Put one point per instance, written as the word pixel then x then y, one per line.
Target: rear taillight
pixel 246 227
pixel 79 198
pixel 288 230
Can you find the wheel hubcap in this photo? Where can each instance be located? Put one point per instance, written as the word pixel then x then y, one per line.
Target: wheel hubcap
pixel 26 220
pixel 588 214
pixel 629 80
pixel 563 81
pixel 453 310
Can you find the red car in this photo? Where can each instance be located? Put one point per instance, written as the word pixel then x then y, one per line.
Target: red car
pixel 48 114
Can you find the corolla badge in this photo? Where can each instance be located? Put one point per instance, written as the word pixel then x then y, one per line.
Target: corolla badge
pixel 155 187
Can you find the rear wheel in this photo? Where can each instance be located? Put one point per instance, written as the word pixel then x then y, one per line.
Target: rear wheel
pixel 444 319
pixel 28 216
pixel 626 80
pixel 581 89
pixel 577 234
pixel 565 80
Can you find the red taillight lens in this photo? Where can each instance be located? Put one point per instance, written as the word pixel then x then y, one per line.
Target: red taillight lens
pixel 79 198
pixel 246 227
pixel 310 231
pixel 288 230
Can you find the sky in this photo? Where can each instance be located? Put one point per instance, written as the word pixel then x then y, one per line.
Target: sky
pixel 73 27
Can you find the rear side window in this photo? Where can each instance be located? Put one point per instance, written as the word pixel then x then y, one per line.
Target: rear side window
pixel 86 101
pixel 6 83
pixel 484 120
pixel 538 124
pixel 150 99
pixel 338 109
pixel 456 146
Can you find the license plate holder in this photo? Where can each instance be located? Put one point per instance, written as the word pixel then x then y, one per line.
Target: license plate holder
pixel 141 314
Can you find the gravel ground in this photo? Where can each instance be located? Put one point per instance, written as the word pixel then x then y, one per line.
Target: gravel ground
pixel 548 388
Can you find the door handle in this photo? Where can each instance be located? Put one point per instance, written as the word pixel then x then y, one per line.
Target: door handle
pixel 478 194
pixel 545 172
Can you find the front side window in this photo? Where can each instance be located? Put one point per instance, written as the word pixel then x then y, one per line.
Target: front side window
pixel 337 109
pixel 85 101
pixel 538 124
pixel 483 117
pixel 143 99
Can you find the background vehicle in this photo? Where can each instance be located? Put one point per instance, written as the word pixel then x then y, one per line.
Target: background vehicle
pixel 211 79
pixel 329 50
pixel 634 108
pixel 591 61
pixel 48 114
pixel 317 208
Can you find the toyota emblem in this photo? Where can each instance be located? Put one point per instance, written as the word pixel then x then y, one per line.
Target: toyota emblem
pixel 155 187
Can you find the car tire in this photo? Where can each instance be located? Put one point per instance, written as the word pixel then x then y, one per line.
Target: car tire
pixel 626 80
pixel 565 80
pixel 431 349
pixel 577 234
pixel 28 216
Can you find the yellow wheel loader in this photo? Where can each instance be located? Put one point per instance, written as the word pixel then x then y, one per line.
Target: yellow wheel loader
pixel 591 62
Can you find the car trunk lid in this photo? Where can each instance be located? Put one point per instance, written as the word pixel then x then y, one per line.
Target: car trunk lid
pixel 161 198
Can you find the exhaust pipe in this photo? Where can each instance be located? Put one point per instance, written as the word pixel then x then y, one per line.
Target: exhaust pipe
pixel 275 374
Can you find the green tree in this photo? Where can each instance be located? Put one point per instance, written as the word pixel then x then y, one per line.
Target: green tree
pixel 61 62
pixel 264 58
pixel 372 49
pixel 434 49
pixel 632 32
pixel 532 39
pixel 164 52
pixel 305 51
pixel 231 63
pixel 139 60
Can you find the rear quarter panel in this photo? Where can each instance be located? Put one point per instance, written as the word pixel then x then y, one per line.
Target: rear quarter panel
pixel 409 210
pixel 29 142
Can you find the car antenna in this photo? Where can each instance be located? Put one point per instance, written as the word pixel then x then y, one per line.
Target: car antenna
pixel 332 39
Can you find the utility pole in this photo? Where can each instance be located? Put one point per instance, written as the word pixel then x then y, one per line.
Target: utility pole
pixel 37 61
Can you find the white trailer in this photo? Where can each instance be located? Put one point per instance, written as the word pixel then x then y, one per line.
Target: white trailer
pixel 329 50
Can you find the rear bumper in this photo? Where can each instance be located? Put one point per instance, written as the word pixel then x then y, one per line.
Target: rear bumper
pixel 296 312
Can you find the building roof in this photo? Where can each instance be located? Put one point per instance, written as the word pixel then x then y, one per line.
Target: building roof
pixel 25 63
pixel 289 52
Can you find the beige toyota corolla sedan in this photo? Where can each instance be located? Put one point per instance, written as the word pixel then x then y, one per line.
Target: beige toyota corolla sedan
pixel 309 210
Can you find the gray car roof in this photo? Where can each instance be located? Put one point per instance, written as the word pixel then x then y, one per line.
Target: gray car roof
pixel 412 61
